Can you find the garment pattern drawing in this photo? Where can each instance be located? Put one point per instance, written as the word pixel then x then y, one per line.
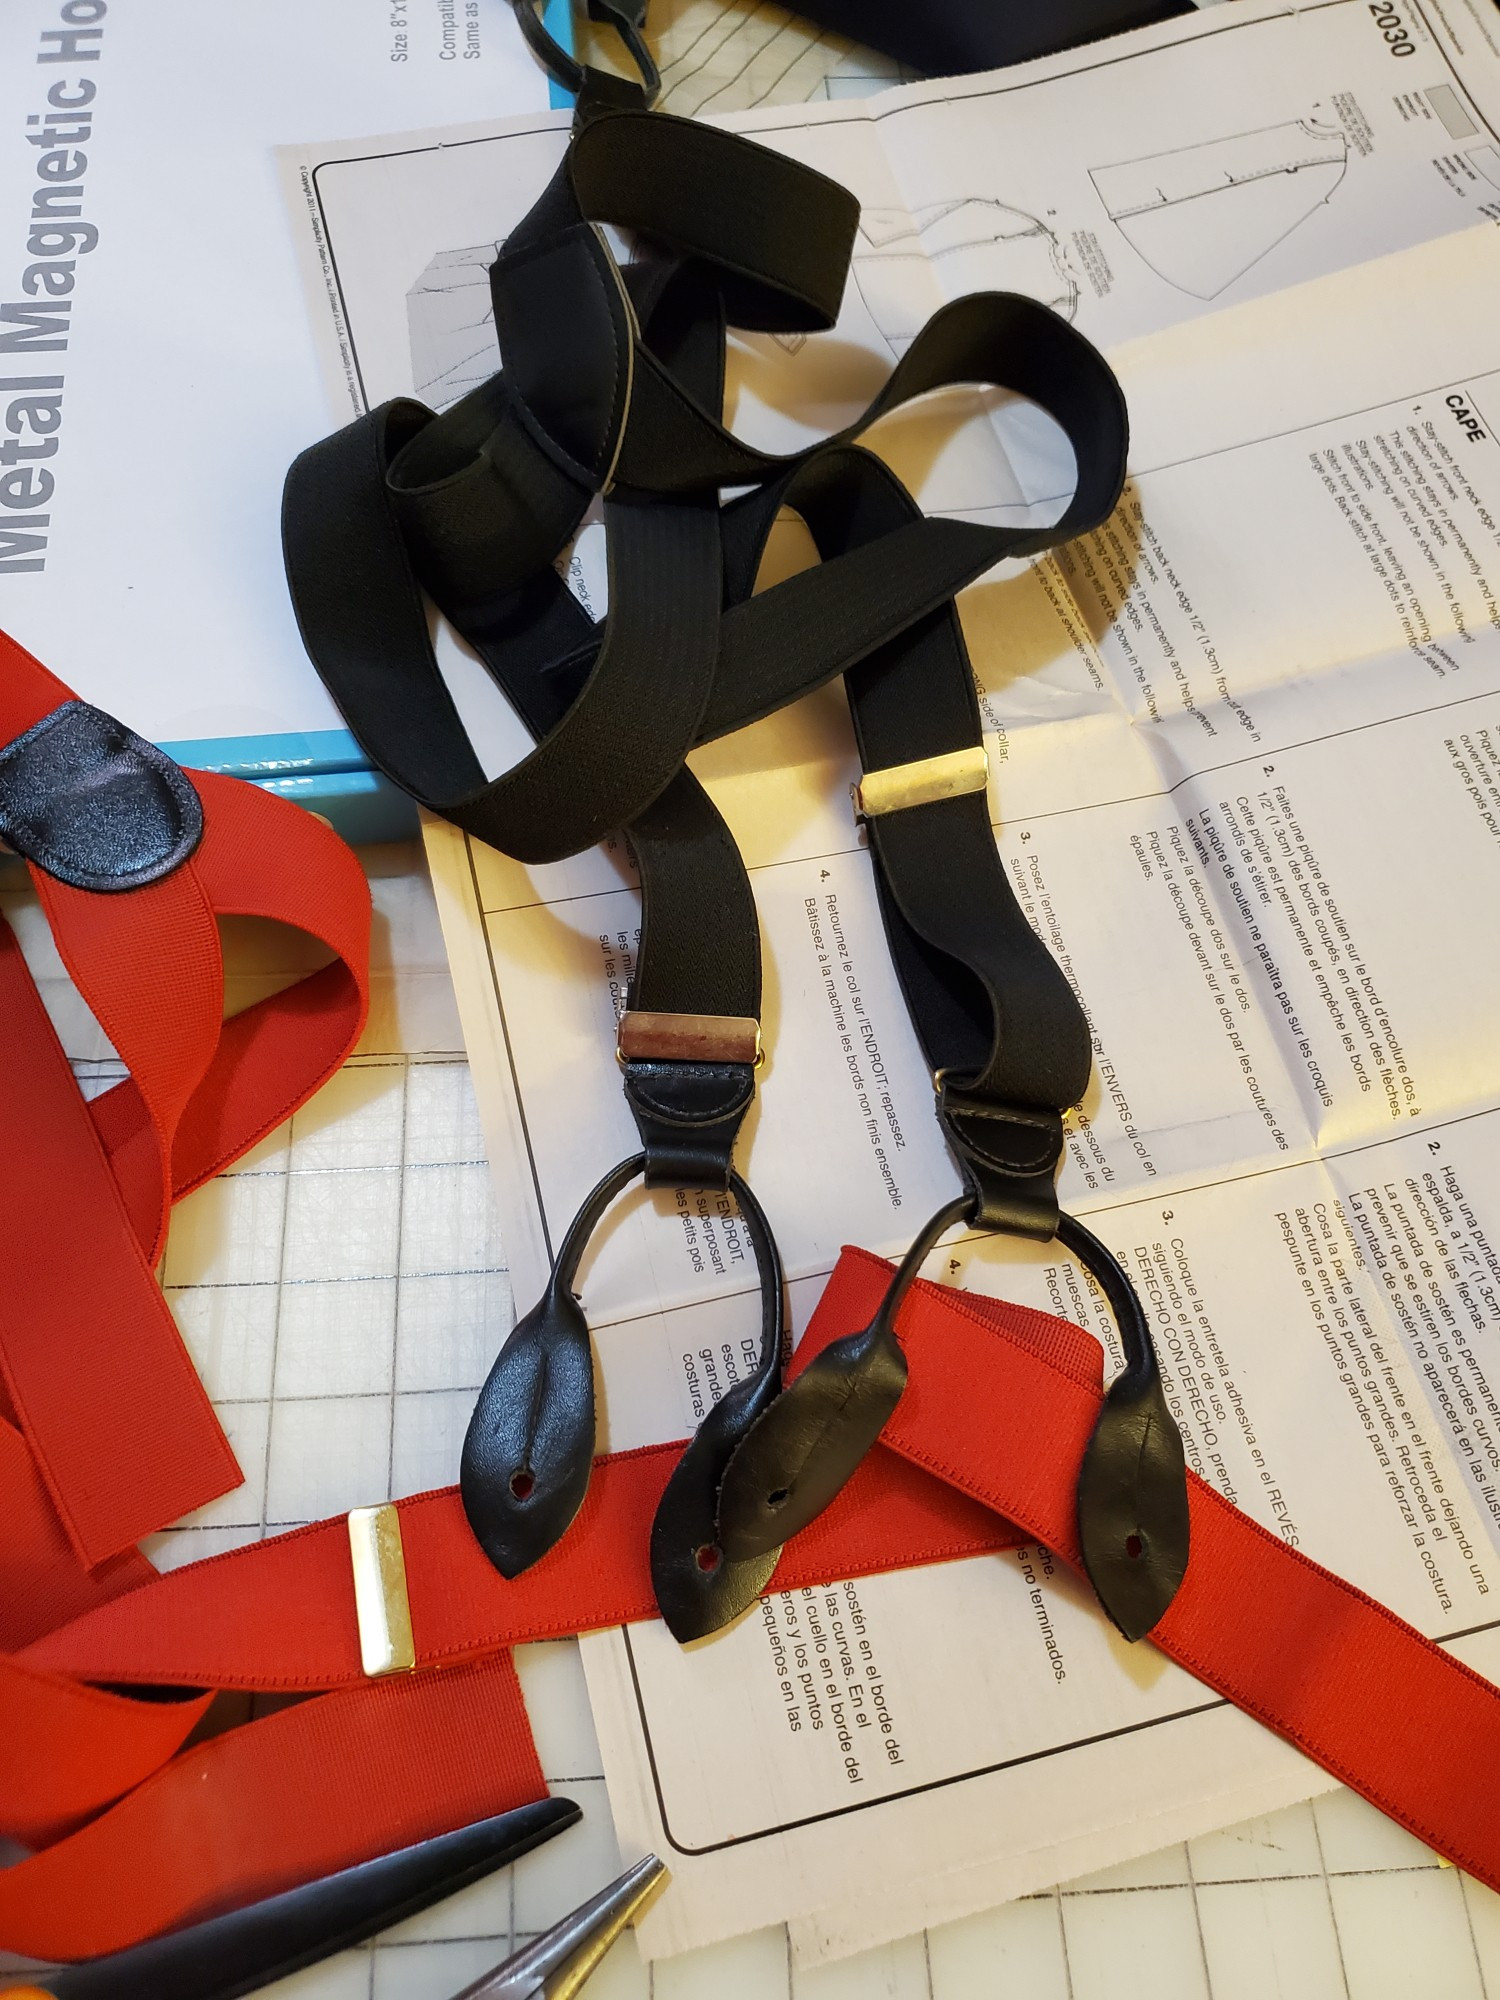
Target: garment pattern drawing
pixel 450 323
pixel 1202 216
pixel 905 266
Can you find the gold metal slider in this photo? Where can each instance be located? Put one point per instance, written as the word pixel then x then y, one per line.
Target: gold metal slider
pixel 922 783
pixel 380 1600
pixel 716 1038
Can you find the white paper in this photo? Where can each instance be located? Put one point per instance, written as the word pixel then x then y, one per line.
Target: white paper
pixel 716 56
pixel 190 376
pixel 1261 707
pixel 1131 184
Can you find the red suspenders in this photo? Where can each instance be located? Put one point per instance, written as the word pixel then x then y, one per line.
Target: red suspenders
pixel 108 1435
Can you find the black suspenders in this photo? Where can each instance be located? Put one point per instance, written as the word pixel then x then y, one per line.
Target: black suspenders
pixel 612 386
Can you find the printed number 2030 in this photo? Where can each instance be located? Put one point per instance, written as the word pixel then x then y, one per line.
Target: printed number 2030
pixel 1391 26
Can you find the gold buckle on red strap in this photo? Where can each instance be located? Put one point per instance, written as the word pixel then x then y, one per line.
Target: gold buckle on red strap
pixel 380 1601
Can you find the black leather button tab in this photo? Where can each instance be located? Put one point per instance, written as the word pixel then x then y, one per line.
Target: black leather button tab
pixel 1133 1505
pixel 93 804
pixel 1133 1523
pixel 689 1116
pixel 799 1456
pixel 804 1450
pixel 700 1587
pixel 530 1443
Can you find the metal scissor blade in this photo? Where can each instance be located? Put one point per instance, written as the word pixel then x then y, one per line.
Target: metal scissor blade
pixel 248 1948
pixel 555 1965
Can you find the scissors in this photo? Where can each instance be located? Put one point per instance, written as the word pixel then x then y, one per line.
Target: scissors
pixel 554 1966
pixel 248 1948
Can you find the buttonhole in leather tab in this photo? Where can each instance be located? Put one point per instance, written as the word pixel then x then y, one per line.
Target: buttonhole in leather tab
pixel 702 1586
pixel 1134 1523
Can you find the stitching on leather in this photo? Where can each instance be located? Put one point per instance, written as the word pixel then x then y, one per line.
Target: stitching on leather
pixel 676 1114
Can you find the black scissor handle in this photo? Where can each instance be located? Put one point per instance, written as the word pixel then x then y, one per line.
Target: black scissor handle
pixel 245 1949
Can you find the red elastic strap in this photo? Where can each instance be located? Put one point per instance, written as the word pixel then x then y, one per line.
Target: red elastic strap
pixel 67 1748
pixel 983 1451
pixel 92 1366
pixel 302 1793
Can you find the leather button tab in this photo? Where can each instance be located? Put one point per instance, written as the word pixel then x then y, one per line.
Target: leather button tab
pixel 95 805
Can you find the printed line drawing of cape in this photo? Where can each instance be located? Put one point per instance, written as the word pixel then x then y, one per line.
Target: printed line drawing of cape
pixel 905 266
pixel 1203 215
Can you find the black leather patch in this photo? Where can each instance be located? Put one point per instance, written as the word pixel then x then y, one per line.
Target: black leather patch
pixel 689 1116
pixel 798 1456
pixel 801 1454
pixel 700 1587
pixel 1133 1523
pixel 530 1442
pixel 1133 1504
pixel 93 804
pixel 1009 1155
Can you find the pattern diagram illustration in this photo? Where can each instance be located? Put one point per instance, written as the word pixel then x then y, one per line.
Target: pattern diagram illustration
pixel 904 267
pixel 451 324
pixel 1202 216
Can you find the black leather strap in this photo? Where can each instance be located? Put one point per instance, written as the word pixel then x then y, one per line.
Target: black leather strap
pixel 530 1444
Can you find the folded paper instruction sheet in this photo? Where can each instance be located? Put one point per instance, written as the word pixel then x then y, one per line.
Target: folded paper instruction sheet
pixel 1245 775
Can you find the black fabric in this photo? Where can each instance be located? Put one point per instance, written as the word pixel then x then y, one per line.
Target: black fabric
pixel 612 387
pixel 947 37
pixel 474 506
pixel 95 805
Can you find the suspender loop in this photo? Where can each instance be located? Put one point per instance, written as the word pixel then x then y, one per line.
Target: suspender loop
pixel 529 1451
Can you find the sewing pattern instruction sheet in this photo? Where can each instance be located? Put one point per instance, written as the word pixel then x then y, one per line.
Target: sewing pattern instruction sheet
pixel 1129 184
pixel 1245 776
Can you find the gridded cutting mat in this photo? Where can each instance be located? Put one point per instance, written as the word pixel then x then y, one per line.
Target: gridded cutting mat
pixel 343 1290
